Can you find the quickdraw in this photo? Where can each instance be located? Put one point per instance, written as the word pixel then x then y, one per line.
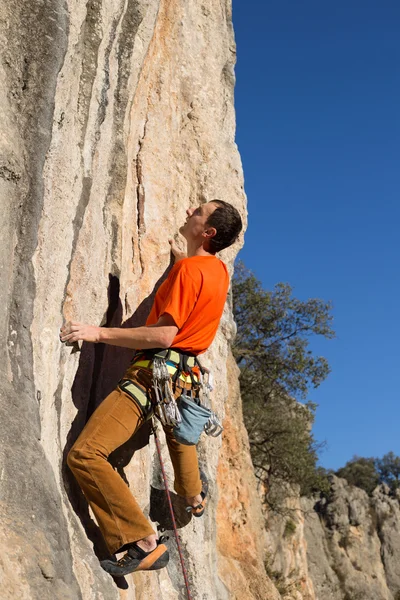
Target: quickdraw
pixel 213 427
pixel 167 408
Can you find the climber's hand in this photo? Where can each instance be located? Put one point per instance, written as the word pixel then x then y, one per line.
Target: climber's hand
pixel 178 254
pixel 73 332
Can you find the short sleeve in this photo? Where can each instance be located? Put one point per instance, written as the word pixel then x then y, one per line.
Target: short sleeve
pixel 182 295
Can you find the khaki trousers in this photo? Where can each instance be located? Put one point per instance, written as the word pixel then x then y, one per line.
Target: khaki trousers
pixel 118 417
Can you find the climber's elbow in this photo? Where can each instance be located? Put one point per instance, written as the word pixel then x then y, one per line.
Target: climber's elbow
pixel 166 330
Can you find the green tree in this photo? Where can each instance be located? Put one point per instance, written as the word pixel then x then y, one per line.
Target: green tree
pixel 282 445
pixel 273 331
pixel 367 473
pixel 276 367
pixel 361 472
pixel 388 468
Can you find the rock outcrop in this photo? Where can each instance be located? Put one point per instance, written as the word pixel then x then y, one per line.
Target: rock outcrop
pixel 344 547
pixel 287 559
pixel 116 116
pixel 353 544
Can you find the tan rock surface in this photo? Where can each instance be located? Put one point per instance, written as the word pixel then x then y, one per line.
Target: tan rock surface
pixel 287 562
pixel 116 117
pixel 352 540
pixel 343 547
pixel 242 543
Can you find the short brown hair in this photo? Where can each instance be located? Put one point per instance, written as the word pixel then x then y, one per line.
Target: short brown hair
pixel 228 223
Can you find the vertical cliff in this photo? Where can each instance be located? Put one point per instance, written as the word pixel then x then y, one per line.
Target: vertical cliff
pixel 353 543
pixel 116 116
pixel 344 546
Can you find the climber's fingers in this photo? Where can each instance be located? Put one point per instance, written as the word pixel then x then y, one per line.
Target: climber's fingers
pixel 74 332
pixel 178 254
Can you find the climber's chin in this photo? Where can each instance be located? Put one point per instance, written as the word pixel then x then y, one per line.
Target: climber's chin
pixel 182 229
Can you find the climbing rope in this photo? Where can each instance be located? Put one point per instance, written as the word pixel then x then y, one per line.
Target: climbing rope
pixel 185 576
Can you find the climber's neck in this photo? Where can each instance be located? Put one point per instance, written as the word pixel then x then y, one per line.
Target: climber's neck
pixel 194 249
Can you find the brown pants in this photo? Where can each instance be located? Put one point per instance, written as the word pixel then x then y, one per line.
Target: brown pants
pixel 118 417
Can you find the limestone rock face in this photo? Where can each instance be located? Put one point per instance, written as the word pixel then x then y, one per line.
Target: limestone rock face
pixel 116 117
pixel 353 543
pixel 242 539
pixel 287 562
pixel 345 547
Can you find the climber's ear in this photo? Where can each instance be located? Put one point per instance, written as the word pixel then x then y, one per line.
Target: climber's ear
pixel 210 232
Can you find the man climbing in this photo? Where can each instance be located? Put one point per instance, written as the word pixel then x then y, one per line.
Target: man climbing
pixel 184 319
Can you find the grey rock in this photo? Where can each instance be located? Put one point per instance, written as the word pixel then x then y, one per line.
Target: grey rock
pixel 351 541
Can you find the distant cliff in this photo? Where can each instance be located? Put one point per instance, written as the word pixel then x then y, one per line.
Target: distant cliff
pixel 345 547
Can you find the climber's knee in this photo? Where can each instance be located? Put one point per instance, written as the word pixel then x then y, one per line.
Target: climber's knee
pixel 78 457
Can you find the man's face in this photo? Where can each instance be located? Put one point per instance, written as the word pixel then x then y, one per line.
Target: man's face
pixel 196 220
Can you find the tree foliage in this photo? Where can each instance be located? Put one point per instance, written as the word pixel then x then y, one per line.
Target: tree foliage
pixel 367 473
pixel 388 468
pixel 360 472
pixel 283 447
pixel 273 331
pixel 276 367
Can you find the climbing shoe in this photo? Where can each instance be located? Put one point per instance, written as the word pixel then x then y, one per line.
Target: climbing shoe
pixel 198 511
pixel 137 559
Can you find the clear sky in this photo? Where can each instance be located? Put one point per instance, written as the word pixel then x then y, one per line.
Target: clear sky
pixel 318 129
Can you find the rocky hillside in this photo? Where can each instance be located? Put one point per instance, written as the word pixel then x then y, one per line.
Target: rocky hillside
pixel 116 116
pixel 354 543
pixel 345 547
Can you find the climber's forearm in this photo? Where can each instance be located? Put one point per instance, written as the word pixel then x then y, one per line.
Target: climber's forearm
pixel 138 338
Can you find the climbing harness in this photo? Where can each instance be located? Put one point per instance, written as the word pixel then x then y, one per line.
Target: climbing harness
pixel 185 575
pixel 191 413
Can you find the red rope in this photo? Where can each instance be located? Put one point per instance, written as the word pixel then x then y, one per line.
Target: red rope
pixel 185 576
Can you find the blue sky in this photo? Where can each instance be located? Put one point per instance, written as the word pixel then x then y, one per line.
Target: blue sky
pixel 318 128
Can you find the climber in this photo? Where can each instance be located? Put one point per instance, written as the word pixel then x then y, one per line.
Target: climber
pixel 184 318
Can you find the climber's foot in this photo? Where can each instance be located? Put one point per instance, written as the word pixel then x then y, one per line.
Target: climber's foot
pixel 193 501
pixel 148 544
pixel 196 504
pixel 137 559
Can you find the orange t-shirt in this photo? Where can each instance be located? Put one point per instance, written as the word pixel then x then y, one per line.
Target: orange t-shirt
pixel 194 294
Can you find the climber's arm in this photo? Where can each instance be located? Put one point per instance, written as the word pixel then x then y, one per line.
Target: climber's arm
pixel 159 335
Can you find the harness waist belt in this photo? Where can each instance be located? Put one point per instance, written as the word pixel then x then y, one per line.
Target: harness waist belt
pixel 178 363
pixel 168 354
pixel 171 366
